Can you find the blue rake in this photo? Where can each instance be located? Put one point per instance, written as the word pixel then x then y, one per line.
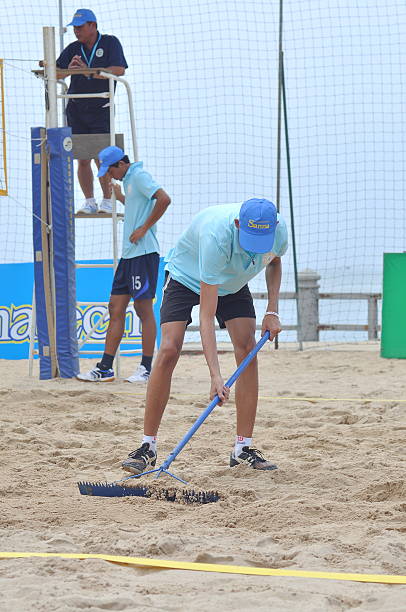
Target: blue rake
pixel 203 416
pixel 117 490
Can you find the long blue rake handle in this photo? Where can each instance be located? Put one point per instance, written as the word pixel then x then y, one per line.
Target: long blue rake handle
pixel 204 415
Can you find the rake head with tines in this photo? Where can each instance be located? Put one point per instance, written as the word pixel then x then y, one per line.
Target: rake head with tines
pixel 105 489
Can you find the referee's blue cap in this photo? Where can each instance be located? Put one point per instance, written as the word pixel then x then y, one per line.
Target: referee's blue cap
pixel 257 223
pixel 82 16
pixel 108 156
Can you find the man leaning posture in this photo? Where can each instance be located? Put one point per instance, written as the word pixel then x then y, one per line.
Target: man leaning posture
pixel 137 272
pixel 211 264
pixel 91 115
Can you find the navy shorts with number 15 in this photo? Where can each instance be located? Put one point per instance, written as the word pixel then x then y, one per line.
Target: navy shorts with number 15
pixel 137 277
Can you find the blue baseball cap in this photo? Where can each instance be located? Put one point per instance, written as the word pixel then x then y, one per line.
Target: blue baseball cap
pixel 81 17
pixel 258 221
pixel 108 156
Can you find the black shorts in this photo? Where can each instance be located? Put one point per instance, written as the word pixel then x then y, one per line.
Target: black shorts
pixel 178 302
pixel 85 119
pixel 137 277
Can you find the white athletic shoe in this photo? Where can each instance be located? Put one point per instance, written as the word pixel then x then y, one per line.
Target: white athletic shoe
pixel 97 375
pixel 89 207
pixel 141 375
pixel 105 206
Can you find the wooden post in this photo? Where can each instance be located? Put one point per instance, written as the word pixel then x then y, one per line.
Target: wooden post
pixel 49 351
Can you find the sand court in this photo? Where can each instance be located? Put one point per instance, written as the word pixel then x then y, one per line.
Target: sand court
pixel 332 418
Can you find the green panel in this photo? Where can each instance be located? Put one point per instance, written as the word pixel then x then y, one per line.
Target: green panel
pixel 393 337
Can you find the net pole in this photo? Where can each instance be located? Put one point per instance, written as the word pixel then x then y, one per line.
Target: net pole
pixel 62 31
pixel 279 130
pixel 61 26
pixel 50 77
pixel 292 221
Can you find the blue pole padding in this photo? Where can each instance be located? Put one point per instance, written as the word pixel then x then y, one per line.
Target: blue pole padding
pixel 59 142
pixel 213 404
pixel 41 256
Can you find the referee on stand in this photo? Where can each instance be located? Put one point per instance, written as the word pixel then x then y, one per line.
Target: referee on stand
pixel 91 115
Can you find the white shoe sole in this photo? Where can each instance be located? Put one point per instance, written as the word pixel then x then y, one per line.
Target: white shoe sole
pixel 102 380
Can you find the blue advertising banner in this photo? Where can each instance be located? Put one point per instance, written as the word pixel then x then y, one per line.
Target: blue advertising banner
pixel 93 286
pixel 16 289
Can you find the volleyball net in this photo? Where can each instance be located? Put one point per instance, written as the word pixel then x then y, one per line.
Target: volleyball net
pixel 204 77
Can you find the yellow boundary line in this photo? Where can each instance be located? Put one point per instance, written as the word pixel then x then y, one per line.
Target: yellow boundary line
pixel 212 567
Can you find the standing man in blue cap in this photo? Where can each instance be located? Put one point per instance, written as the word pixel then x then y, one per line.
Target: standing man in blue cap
pixel 211 264
pixel 137 272
pixel 91 115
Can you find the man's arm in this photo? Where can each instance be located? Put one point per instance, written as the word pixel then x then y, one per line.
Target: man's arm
pixel 273 276
pixel 116 57
pixel 161 204
pixel 208 306
pixel 118 193
pixel 116 70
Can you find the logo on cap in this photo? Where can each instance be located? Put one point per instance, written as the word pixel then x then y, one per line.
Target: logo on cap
pixel 260 226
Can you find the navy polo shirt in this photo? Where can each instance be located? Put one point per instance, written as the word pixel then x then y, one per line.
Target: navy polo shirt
pixel 109 52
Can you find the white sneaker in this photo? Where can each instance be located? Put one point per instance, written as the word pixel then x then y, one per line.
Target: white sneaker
pixel 141 375
pixel 105 206
pixel 89 207
pixel 97 375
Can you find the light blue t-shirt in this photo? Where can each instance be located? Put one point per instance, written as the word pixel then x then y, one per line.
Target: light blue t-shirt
pixel 139 187
pixel 209 251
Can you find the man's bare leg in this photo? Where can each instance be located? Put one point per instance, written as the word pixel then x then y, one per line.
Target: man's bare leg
pixel 117 309
pixel 145 312
pixel 105 183
pixel 159 384
pixel 242 333
pixel 85 177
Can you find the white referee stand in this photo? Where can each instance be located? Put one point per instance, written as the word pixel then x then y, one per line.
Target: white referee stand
pixel 52 96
